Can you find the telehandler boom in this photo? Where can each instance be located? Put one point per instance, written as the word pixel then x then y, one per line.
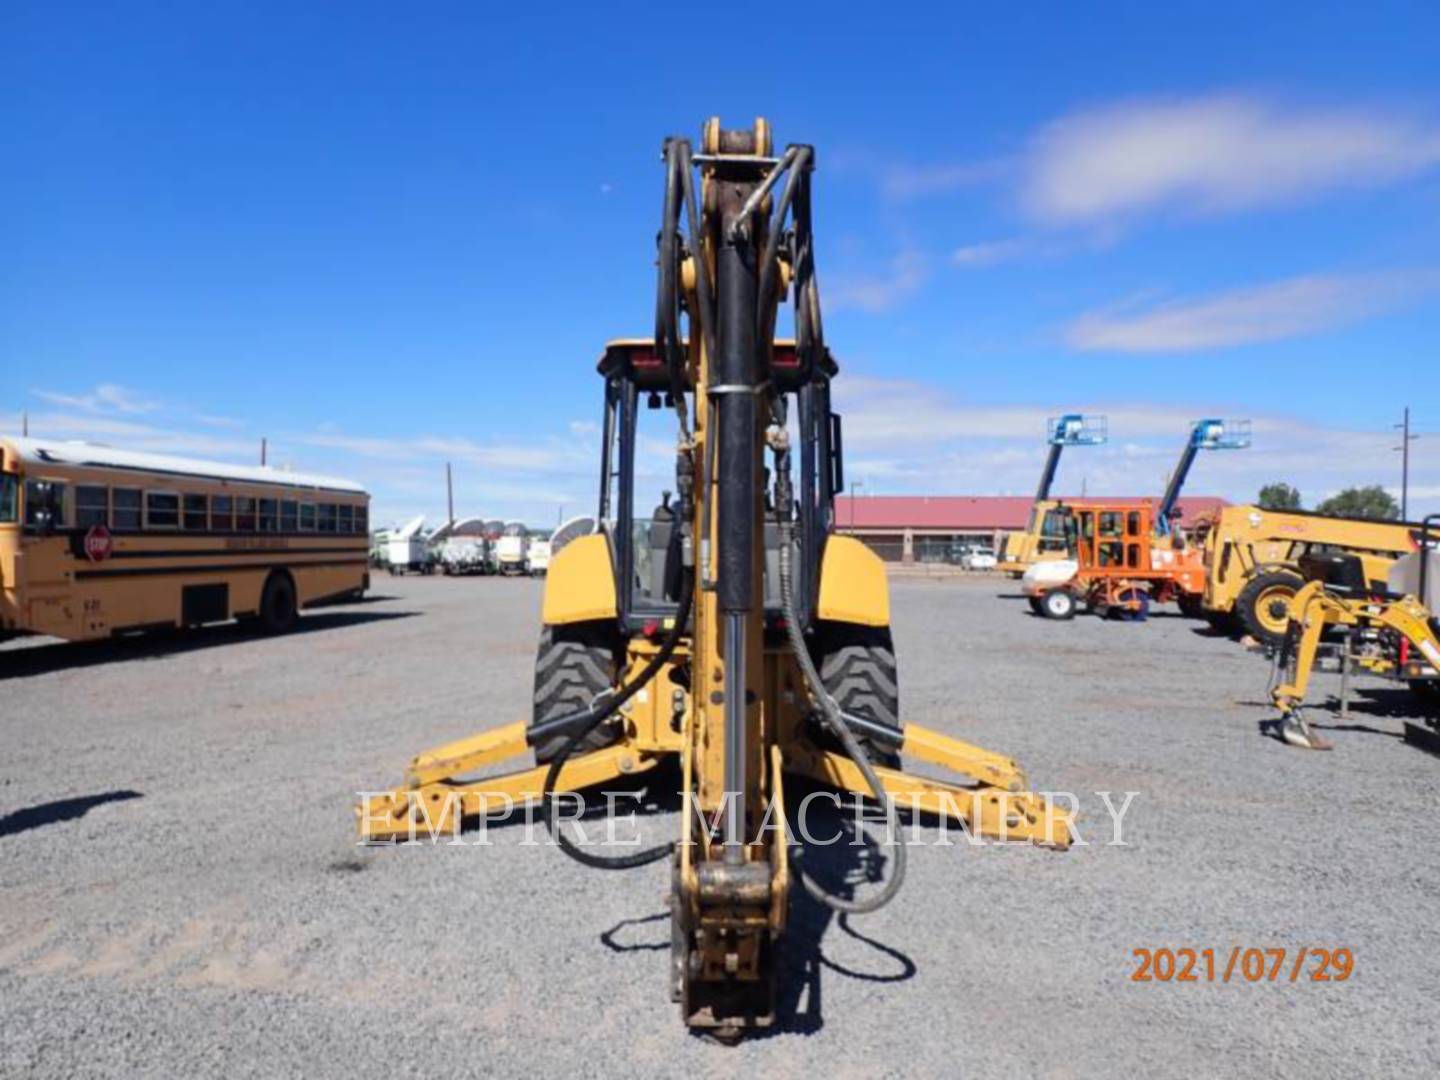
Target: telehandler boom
pixel 733 631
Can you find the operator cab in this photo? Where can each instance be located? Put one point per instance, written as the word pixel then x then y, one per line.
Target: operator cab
pixel 636 471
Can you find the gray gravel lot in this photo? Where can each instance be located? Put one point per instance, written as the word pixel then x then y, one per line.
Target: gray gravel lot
pixel 195 903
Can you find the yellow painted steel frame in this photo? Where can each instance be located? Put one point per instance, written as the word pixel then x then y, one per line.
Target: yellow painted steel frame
pixel 1314 608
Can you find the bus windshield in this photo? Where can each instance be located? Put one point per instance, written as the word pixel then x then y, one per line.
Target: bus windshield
pixel 9 499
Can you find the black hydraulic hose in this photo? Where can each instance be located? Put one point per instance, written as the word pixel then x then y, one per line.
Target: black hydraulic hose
pixel 610 706
pixel 835 721
pixel 706 312
pixel 765 306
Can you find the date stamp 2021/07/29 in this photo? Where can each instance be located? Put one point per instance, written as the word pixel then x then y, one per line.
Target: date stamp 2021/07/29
pixel 1240 963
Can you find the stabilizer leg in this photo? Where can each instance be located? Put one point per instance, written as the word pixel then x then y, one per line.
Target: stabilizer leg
pixel 992 811
pixel 433 802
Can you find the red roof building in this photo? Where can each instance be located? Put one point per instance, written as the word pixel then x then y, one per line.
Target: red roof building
pixel 929 528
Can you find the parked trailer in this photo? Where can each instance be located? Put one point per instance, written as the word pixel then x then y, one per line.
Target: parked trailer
pixel 408 551
pixel 537 555
pixel 510 548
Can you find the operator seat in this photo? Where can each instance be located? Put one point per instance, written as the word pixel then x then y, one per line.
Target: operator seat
pixel 661 538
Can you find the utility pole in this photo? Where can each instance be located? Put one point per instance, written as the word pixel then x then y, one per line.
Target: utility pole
pixel 263 450
pixel 1405 440
pixel 25 424
pixel 449 494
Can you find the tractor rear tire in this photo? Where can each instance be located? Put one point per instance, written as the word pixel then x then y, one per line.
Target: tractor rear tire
pixel 1263 606
pixel 278 607
pixel 573 665
pixel 1058 604
pixel 857 666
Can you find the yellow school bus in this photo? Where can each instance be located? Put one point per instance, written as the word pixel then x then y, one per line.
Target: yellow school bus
pixel 96 541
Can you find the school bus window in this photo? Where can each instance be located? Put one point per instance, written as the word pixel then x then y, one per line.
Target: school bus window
pixel 127 508
pixel 1133 523
pixel 162 510
pixel 361 519
pixel 195 515
pixel 9 499
pixel 222 514
pixel 307 517
pixel 44 504
pixel 345 522
pixel 244 514
pixel 92 506
pixel 267 515
pixel 327 517
pixel 288 514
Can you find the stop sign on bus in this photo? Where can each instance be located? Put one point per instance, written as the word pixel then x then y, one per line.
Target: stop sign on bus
pixel 98 543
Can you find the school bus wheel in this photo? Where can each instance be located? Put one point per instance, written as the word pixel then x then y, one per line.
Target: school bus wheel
pixel 278 610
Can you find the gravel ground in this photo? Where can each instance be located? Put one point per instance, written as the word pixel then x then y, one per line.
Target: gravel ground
pixel 180 893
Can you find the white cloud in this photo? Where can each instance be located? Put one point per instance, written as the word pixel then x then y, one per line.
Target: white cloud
pixel 107 397
pixel 918 181
pixel 878 293
pixel 1214 154
pixel 1290 308
pixel 988 254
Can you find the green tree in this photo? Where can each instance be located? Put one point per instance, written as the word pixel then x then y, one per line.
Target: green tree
pixel 1372 502
pixel 1279 496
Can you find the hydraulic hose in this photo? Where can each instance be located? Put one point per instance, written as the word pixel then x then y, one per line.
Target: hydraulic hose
pixel 600 712
pixel 835 721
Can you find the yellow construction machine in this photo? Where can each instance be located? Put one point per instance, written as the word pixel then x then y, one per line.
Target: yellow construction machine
pixel 1390 631
pixel 1252 561
pixel 732 632
pixel 1044 536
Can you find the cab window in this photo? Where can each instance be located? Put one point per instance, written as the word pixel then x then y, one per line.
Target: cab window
pixel 9 499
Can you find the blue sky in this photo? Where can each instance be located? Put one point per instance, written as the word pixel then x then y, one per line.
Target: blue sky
pixel 387 236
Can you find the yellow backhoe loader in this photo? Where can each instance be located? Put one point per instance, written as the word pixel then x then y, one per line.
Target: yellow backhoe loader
pixel 732 632
pixel 1252 561
pixel 1392 630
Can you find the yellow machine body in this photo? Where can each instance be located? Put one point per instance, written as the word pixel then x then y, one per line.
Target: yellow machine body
pixel 730 884
pixel 1252 558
